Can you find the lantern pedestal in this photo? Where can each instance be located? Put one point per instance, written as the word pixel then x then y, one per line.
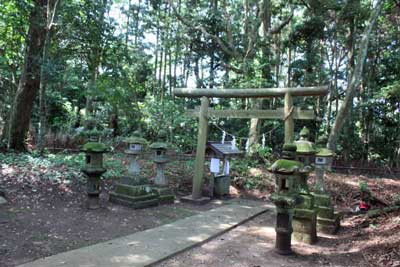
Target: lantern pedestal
pixel 284 209
pixel 93 169
pixel 134 190
pixel 93 187
pixel 305 215
pixel 328 221
pixel 131 194
pixel 161 182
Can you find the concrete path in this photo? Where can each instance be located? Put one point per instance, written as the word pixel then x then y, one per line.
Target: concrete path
pixel 154 245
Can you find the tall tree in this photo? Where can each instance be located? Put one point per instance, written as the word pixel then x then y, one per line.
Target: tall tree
pixel 29 83
pixel 356 76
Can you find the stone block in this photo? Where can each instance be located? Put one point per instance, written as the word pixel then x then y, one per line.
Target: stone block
pixel 137 202
pixel 308 201
pixel 322 200
pixel 305 225
pixel 325 212
pixel 329 226
pixel 130 190
pixel 304 214
pixel 166 199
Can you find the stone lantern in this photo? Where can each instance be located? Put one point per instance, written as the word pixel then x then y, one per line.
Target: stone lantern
pixel 305 215
pixel 135 148
pixel 134 190
pixel 160 158
pixel 286 196
pixel 94 169
pixel 327 220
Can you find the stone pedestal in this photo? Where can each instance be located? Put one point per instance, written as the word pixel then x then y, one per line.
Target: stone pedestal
pixel 305 221
pixel 165 195
pixel 160 179
pixel 93 170
pixel 93 188
pixel 284 209
pixel 305 216
pixel 161 182
pixel 134 193
pixel 328 221
pixel 134 190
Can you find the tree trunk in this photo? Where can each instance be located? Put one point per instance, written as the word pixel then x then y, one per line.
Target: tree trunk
pixel 44 72
pixel 355 77
pixel 29 83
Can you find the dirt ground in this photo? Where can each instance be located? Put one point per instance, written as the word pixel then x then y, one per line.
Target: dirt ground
pixel 252 245
pixel 361 241
pixel 45 217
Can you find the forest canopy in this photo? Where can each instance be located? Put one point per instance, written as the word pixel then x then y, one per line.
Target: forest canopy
pixel 112 66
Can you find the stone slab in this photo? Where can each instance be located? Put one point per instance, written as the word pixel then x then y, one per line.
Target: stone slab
pixel 2 200
pixel 154 245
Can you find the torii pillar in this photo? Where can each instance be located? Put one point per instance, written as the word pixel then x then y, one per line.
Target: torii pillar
pixel 288 115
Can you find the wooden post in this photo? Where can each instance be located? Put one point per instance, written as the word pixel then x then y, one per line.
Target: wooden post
pixel 289 122
pixel 201 149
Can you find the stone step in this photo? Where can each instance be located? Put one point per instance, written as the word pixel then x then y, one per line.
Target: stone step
pixel 132 190
pixel 139 202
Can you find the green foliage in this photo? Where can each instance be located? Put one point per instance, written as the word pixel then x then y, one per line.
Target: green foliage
pixel 169 116
pixel 363 186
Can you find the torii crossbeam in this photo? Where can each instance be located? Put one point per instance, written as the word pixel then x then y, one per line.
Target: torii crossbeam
pixel 288 114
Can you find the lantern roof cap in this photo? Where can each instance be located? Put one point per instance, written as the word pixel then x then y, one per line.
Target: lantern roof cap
pixel 95 147
pixel 305 147
pixel 136 140
pixel 159 145
pixel 286 166
pixel 325 152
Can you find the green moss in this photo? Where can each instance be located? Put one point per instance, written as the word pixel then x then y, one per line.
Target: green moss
pixel 136 140
pixel 159 145
pixel 285 166
pixel 95 147
pixel 289 200
pixel 305 147
pixel 324 152
pixel 289 147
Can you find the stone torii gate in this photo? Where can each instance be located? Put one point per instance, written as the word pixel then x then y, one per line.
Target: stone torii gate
pixel 289 113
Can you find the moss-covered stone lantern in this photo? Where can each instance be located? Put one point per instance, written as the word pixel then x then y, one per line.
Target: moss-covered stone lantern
pixel 327 220
pixel 160 158
pixel 136 145
pixel 94 169
pixel 134 190
pixel 305 215
pixel 160 148
pixel 285 197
